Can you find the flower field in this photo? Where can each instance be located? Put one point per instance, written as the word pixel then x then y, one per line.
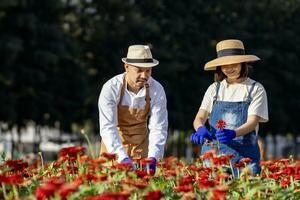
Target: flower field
pixel 74 175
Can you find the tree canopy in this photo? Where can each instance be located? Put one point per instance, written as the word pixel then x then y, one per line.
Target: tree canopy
pixel 56 54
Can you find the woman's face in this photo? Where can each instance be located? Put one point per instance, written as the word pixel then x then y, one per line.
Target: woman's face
pixel 232 71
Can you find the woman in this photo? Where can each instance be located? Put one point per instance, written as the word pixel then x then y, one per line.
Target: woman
pixel 236 99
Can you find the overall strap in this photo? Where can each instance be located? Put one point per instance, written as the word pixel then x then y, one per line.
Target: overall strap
pixel 249 98
pixel 217 92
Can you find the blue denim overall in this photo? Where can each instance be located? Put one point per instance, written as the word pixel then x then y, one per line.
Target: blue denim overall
pixel 234 114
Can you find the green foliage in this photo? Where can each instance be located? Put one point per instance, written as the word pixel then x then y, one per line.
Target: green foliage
pixel 42 79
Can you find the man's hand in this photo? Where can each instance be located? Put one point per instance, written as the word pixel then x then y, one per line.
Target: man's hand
pixel 200 136
pixel 152 165
pixel 127 161
pixel 225 135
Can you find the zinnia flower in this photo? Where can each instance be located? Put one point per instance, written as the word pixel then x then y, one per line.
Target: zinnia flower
pixel 221 124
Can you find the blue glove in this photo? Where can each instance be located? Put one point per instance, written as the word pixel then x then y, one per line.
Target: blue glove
pixel 201 134
pixel 152 165
pixel 127 161
pixel 225 135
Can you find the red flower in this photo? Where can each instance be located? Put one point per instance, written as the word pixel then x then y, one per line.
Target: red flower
pixel 289 170
pixel 141 173
pixel 219 193
pixel 170 173
pixel 245 161
pixel 44 192
pixel 17 165
pixel 11 179
pixel 205 183
pixel 111 196
pixel 140 185
pixel 91 177
pixel 296 176
pixel 238 165
pixel 70 153
pixel 109 156
pixel 221 124
pixel 184 188
pixel 122 166
pixel 154 195
pixel 285 183
pixel 98 160
pixel 68 188
pixel 223 176
pixel 222 160
pixel 189 179
pixel 274 168
pixel 275 175
pixel 146 161
pixel 209 154
pixel 284 161
pixel 49 187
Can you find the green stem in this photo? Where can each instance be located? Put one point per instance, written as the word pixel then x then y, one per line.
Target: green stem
pixel 231 167
pixel 4 191
pixel 15 191
pixel 42 160
pixel 91 149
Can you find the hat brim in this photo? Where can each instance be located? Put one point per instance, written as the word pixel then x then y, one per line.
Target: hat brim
pixel 227 60
pixel 152 64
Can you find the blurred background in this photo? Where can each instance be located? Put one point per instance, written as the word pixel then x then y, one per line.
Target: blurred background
pixel 55 56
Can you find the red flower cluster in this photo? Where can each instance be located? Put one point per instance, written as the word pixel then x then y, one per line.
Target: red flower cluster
pixel 111 196
pixel 222 160
pixel 185 184
pixel 153 195
pixel 109 156
pixel 70 153
pixel 16 165
pixel 57 184
pixel 11 179
pixel 49 187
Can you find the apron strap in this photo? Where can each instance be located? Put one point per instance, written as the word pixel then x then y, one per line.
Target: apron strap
pixel 217 92
pixel 148 100
pixel 249 98
pixel 147 96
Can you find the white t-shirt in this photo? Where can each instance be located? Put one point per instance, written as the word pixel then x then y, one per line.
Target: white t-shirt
pixel 239 92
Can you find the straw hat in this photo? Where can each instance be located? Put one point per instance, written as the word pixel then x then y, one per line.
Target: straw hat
pixel 140 56
pixel 230 52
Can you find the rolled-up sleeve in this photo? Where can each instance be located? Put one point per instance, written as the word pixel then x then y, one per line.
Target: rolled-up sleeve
pixel 158 123
pixel 259 104
pixel 107 105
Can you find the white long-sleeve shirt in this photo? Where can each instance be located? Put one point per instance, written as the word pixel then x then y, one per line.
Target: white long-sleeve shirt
pixel 108 119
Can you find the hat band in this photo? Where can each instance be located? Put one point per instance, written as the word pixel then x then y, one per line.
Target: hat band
pixel 144 60
pixel 230 52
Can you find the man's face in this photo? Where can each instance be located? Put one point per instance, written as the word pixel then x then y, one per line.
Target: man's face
pixel 137 77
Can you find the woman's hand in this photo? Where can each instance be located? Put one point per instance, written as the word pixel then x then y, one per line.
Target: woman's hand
pixel 200 136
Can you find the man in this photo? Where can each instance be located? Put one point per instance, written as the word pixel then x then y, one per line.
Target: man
pixel 133 110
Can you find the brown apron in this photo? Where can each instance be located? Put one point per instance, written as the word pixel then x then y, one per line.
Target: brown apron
pixel 132 127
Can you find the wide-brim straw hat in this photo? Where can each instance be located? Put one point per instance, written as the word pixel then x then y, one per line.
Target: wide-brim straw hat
pixel 230 52
pixel 140 56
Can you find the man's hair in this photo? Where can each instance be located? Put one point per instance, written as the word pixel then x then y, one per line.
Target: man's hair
pixel 220 76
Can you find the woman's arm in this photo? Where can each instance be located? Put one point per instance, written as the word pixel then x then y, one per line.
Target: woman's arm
pixel 249 126
pixel 200 118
